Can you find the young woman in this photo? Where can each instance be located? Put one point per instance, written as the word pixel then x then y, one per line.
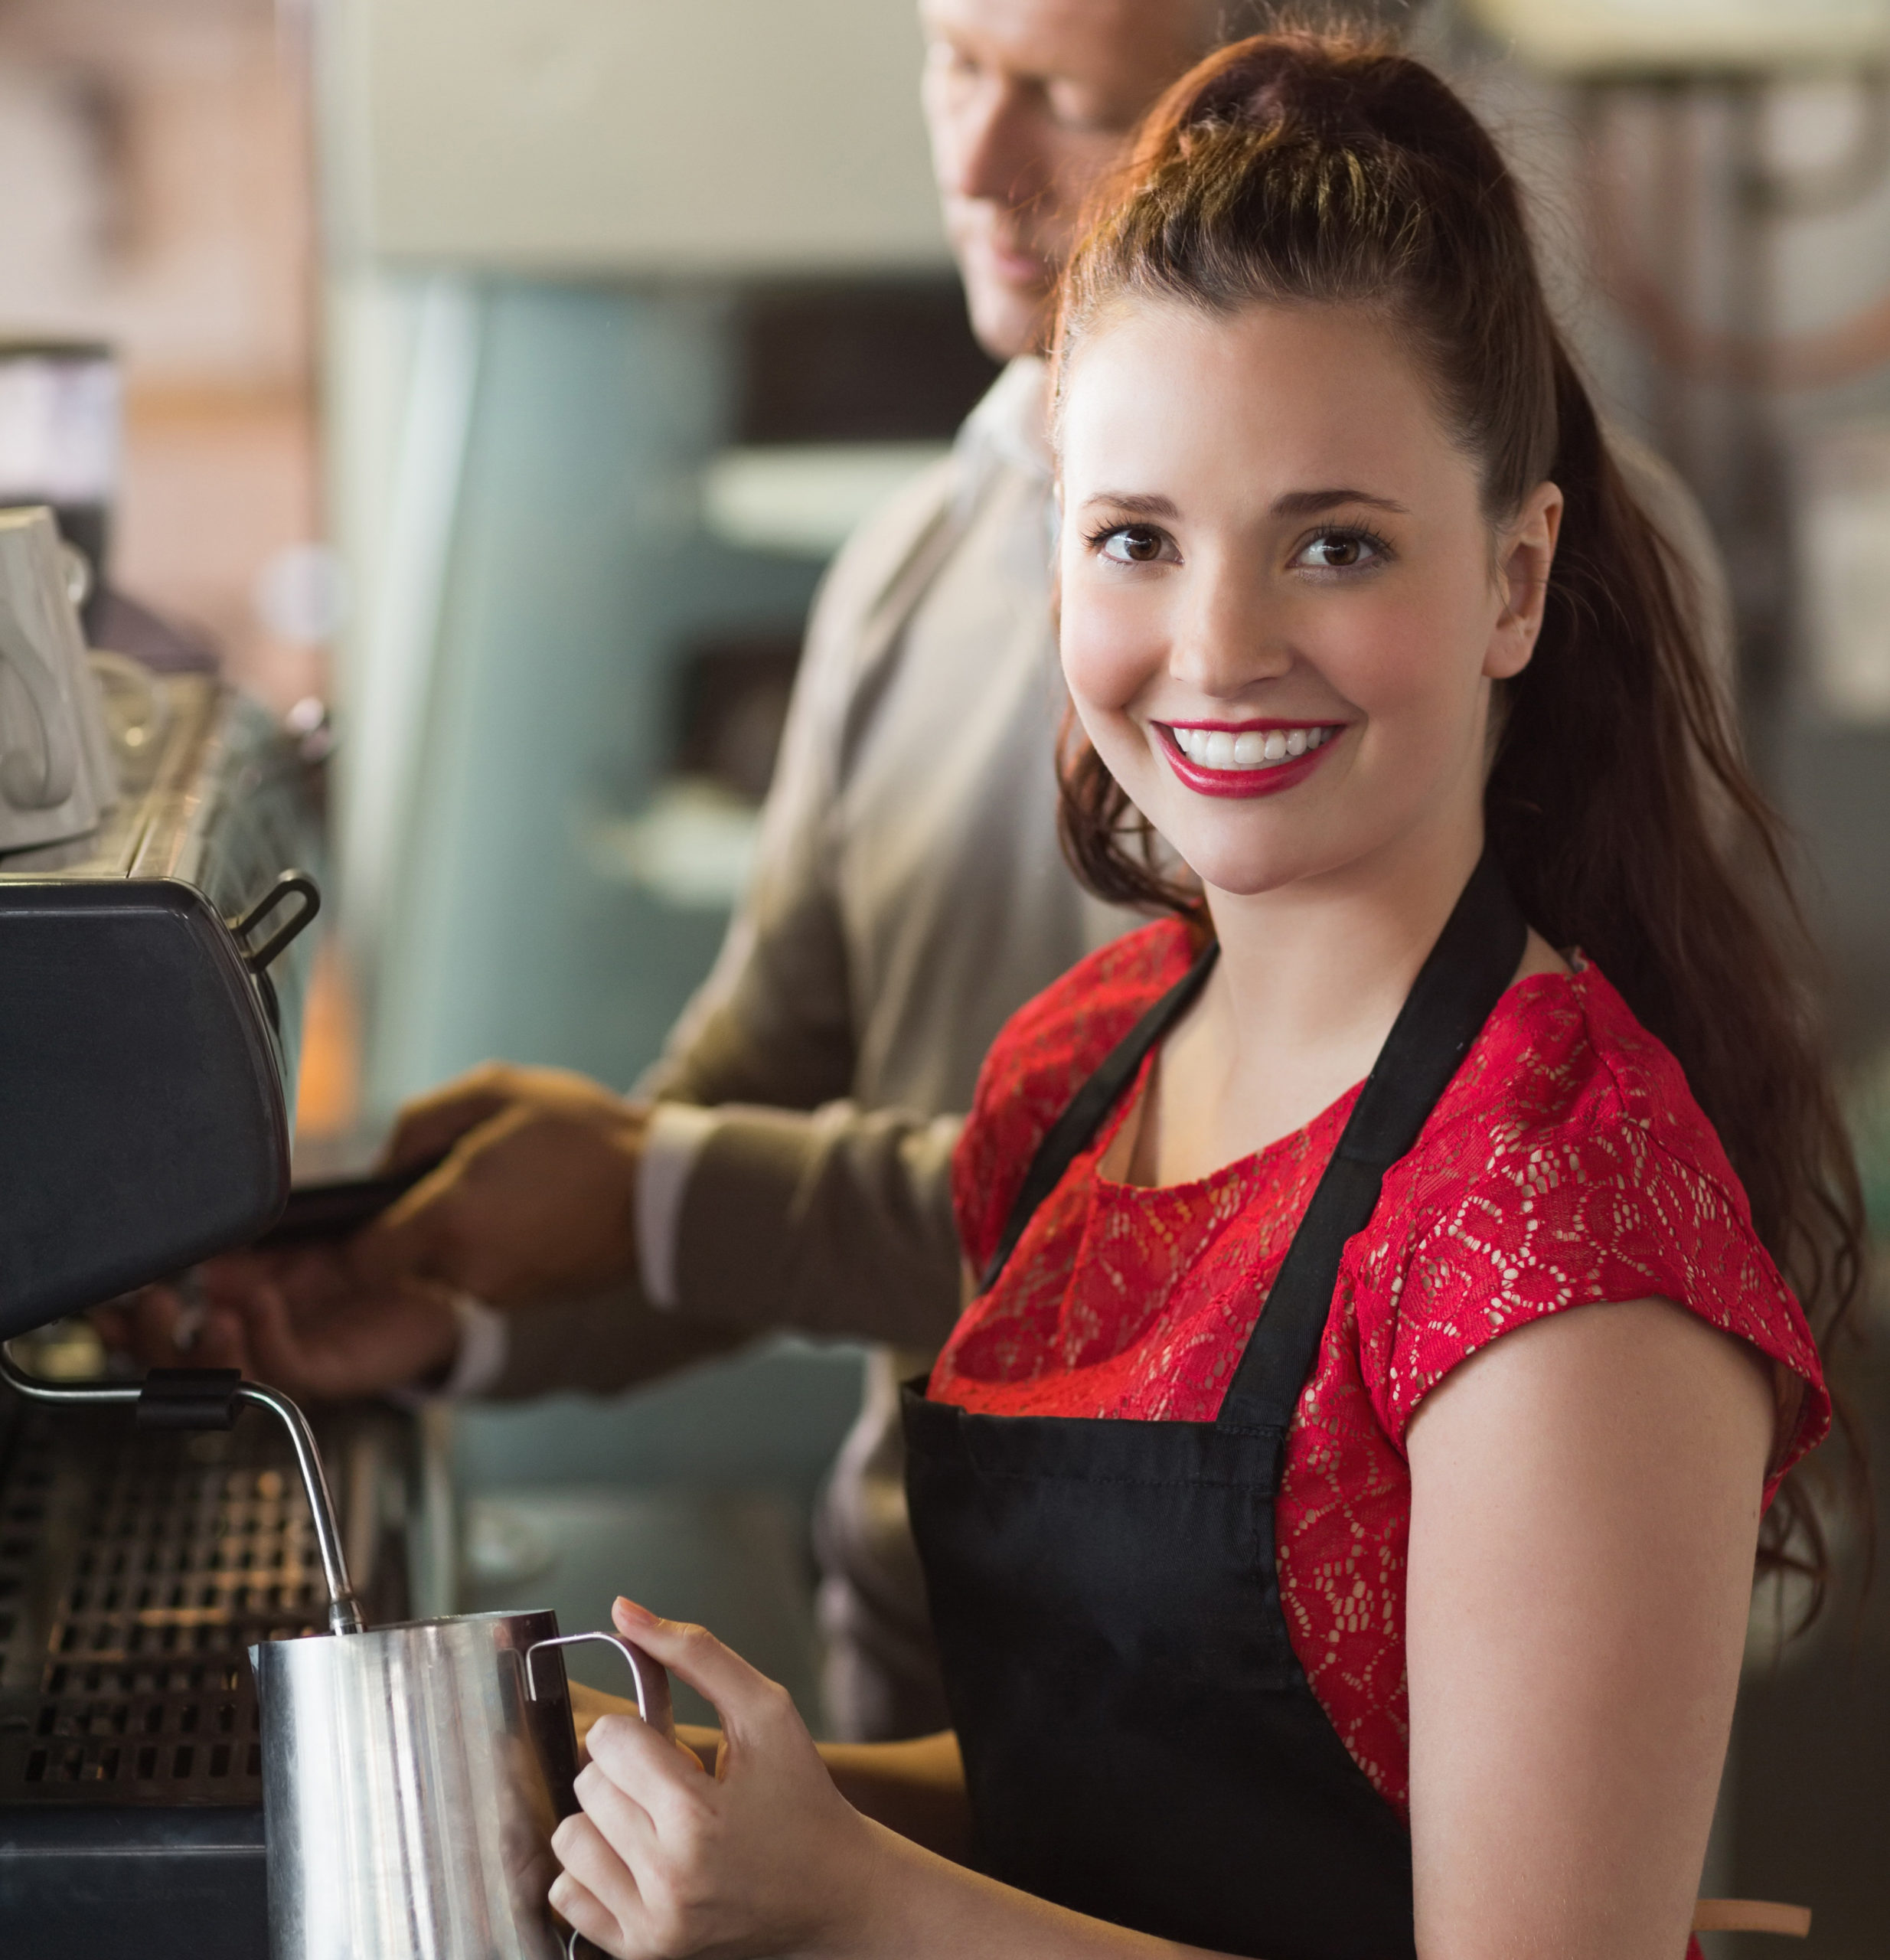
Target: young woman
pixel 1340 1499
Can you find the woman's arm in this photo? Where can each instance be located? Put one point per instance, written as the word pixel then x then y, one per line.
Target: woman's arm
pixel 1584 1509
pixel 915 1788
pixel 766 1857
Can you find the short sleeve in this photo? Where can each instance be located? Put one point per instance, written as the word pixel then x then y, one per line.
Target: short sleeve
pixel 1603 1182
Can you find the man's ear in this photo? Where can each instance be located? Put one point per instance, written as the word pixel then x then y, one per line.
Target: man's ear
pixel 1526 551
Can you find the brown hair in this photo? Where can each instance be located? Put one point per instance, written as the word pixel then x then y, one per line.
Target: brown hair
pixel 1305 168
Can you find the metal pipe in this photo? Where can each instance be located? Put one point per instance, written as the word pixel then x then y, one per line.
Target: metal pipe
pixel 344 1612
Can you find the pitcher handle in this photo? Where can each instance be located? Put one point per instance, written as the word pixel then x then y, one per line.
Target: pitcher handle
pixel 651 1677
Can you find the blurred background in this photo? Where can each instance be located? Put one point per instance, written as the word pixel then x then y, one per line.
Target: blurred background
pixel 502 373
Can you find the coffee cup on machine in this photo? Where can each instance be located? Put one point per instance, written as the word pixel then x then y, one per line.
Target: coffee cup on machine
pixel 58 774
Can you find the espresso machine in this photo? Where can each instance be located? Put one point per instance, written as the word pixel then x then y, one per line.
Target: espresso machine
pixel 160 843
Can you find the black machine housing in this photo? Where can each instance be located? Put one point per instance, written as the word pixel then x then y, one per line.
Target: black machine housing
pixel 151 988
pixel 152 977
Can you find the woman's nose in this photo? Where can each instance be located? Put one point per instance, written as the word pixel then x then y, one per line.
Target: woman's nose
pixel 1225 641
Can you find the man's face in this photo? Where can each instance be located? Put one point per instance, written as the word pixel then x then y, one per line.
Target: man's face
pixel 1028 102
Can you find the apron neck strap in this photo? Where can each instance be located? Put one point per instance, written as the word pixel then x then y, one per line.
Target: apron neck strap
pixel 1066 1138
pixel 1474 959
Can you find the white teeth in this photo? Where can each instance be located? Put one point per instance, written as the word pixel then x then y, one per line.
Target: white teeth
pixel 1220 749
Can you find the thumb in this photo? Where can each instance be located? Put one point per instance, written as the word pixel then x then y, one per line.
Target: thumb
pixel 416 1237
pixel 432 1124
pixel 748 1702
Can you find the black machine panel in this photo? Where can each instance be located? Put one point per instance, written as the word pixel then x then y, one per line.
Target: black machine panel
pixel 142 1121
pixel 150 1006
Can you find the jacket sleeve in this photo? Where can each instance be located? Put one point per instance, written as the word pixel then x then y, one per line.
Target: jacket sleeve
pixel 602 1344
pixel 836 1223
pixel 800 1210
pixel 773 1023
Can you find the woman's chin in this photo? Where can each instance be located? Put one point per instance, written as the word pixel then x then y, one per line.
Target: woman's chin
pixel 1234 873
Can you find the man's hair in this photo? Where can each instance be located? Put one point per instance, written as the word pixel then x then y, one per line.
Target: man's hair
pixel 1225 21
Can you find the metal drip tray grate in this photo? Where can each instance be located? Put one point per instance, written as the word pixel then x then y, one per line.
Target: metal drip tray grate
pixel 135 1570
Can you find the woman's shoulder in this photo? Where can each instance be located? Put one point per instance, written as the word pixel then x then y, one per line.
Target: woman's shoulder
pixel 1563 1059
pixel 1568 1164
pixel 1081 1015
pixel 1045 1053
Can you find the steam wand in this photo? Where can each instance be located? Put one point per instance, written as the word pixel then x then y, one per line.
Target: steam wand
pixel 209 1399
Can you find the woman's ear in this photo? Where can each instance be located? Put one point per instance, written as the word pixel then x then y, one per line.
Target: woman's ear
pixel 1526 551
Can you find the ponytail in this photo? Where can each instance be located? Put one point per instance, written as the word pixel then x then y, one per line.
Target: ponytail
pixel 1328 169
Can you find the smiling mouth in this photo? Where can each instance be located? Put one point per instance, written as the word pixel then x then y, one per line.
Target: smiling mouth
pixel 1241 751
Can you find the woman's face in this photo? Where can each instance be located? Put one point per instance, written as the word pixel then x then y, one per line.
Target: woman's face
pixel 1282 605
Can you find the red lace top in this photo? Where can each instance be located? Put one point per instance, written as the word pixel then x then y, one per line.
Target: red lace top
pixel 1566 1164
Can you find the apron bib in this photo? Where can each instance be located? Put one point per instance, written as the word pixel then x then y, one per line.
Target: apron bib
pixel 1141 1742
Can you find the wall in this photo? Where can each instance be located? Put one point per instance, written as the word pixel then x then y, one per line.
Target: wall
pixel 156 156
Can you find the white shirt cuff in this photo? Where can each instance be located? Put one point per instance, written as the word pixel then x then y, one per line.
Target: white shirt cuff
pixel 485 1342
pixel 671 1144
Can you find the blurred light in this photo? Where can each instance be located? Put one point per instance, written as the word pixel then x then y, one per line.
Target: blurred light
pixel 60 415
pixel 693 847
pixel 301 594
pixel 1592 37
pixel 1844 566
pixel 805 500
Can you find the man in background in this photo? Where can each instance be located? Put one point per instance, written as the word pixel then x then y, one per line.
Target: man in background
pixel 786 1164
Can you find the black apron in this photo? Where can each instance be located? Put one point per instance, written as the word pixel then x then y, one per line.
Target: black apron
pixel 1139 1741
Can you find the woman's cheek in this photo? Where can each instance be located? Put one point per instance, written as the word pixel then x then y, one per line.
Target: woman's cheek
pixel 1110 655
pixel 1395 667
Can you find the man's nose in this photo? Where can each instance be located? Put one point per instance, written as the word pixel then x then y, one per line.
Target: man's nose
pixel 996 156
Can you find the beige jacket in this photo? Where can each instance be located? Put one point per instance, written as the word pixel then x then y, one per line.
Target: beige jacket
pixel 909 896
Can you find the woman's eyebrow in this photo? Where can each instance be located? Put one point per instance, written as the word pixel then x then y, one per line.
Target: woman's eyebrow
pixel 1309 503
pixel 1293 504
pixel 1140 507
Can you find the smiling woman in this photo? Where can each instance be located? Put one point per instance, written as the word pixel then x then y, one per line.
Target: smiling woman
pixel 1339 1498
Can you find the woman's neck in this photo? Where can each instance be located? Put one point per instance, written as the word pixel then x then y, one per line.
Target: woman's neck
pixel 1310 979
pixel 1328 961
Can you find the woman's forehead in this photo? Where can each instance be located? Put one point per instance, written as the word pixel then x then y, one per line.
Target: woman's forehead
pixel 1163 387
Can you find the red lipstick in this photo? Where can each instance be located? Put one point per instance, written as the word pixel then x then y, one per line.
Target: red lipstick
pixel 1270 781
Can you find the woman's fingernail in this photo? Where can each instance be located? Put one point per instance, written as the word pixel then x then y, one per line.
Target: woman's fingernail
pixel 628 1609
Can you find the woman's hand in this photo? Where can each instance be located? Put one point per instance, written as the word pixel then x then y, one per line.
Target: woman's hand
pixel 590 1705
pixel 666 1860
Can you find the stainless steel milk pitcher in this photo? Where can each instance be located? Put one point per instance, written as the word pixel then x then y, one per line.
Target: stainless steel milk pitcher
pixel 412 1778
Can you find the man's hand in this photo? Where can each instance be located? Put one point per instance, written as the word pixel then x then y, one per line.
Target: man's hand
pixel 298 1321
pixel 536 1197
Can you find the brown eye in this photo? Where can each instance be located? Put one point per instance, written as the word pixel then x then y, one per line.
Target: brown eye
pixel 1133 544
pixel 1339 551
